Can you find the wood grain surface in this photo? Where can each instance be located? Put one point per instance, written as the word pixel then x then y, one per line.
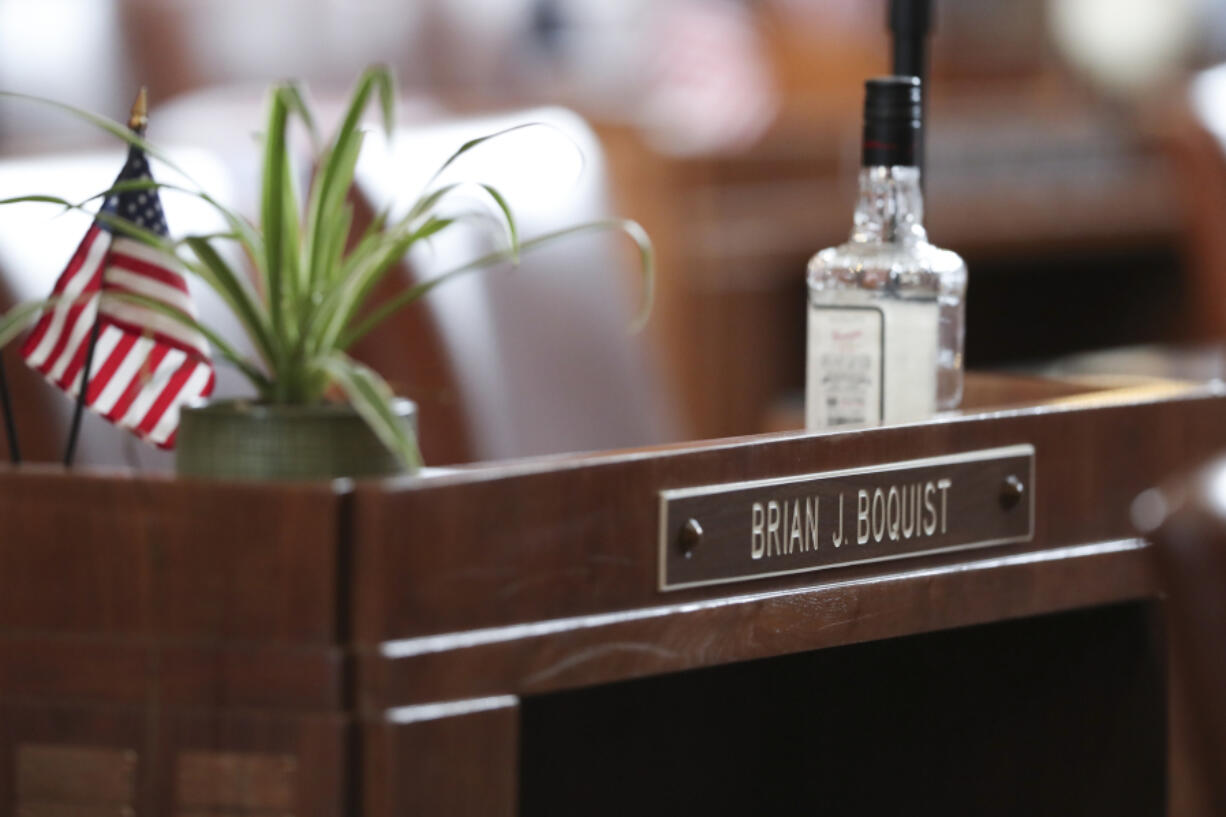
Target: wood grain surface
pixel 538 580
pixel 187 626
pixel 559 537
pixel 372 649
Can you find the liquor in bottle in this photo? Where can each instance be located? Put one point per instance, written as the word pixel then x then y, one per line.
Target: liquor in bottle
pixel 886 309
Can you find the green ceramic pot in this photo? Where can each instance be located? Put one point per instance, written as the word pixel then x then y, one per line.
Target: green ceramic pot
pixel 237 439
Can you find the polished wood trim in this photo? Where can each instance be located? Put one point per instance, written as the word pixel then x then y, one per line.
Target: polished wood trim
pixel 449 760
pixel 42 668
pixel 383 634
pixel 121 555
pixel 547 656
pixel 163 617
pixel 563 537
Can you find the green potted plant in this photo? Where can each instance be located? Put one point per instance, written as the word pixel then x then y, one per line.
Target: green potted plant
pixel 310 302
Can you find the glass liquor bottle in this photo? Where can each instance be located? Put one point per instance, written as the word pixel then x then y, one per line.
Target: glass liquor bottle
pixel 886 309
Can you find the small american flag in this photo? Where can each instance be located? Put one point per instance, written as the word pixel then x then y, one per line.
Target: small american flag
pixel 145 363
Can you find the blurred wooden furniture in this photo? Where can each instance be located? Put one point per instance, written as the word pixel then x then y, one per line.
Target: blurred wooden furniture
pixel 1187 521
pixel 1195 128
pixel 492 640
pixel 527 360
pixel 1040 192
pixel 171 648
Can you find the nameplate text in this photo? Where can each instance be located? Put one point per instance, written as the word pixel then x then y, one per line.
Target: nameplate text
pixel 731 532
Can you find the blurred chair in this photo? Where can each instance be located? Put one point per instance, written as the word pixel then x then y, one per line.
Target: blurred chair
pixel 504 362
pixel 1196 131
pixel 540 356
pixel 1186 520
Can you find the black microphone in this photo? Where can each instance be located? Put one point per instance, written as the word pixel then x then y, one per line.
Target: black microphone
pixel 910 22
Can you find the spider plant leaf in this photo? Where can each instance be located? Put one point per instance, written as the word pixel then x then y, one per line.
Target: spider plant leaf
pixel 432 200
pixel 335 181
pixel 116 129
pixel 122 132
pixel 337 238
pixel 512 230
pixel 22 315
pixel 647 269
pixel 337 167
pixel 291 259
pixel 338 163
pixel 348 300
pixel 265 341
pixel 119 223
pixel 296 101
pixel 240 229
pixel 237 293
pixel 372 398
pixel 336 235
pixel 411 294
pixel 365 265
pixel 427 201
pixel 328 197
pixel 210 237
pixel 372 237
pixel 420 207
pixel 132 185
pixel 224 349
pixel 230 286
pixel 40 199
pixel 272 208
pixel 134 231
pixel 386 83
pixel 375 77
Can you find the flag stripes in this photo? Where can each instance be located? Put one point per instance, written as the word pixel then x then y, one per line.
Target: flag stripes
pixel 146 364
pixel 145 264
pixel 140 318
pixel 81 271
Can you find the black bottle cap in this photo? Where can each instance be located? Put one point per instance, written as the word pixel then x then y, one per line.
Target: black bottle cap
pixel 892 117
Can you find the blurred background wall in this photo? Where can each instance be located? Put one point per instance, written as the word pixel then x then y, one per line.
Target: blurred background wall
pixel 1067 160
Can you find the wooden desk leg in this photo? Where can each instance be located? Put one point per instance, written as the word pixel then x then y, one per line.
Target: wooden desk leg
pixel 443 760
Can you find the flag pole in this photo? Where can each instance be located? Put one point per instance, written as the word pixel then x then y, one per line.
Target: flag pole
pixel 10 422
pixel 137 122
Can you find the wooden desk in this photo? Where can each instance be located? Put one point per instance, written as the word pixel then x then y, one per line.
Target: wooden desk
pixel 493 640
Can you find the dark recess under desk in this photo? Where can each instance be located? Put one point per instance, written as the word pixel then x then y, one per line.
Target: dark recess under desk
pixel 1058 714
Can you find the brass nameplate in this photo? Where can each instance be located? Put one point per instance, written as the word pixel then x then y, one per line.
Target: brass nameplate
pixel 772 527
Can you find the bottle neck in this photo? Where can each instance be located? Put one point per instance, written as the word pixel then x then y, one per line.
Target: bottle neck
pixel 891 207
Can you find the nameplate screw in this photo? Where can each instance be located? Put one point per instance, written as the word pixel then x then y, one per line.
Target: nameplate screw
pixel 690 537
pixel 1011 491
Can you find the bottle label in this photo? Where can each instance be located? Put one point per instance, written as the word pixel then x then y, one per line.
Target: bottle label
pixel 845 366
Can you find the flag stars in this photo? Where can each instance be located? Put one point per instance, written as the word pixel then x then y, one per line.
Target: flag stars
pixel 141 207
